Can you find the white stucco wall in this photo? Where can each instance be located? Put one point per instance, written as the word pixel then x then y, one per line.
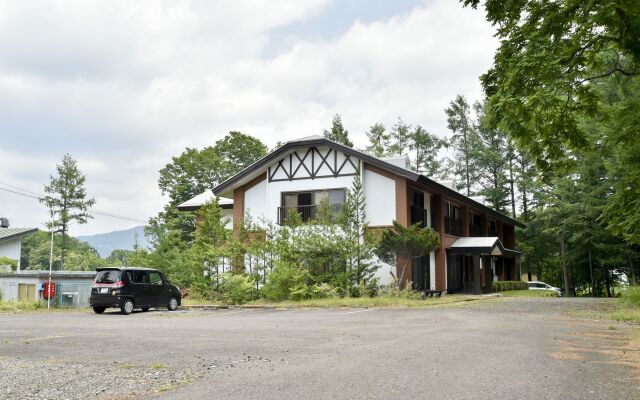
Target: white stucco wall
pixel 227 215
pixel 432 270
pixel 256 201
pixel 380 195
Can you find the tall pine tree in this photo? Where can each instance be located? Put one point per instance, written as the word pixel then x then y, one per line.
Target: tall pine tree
pixel 66 199
pixel 338 133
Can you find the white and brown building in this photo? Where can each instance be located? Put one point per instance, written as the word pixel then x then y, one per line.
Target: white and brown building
pixel 477 242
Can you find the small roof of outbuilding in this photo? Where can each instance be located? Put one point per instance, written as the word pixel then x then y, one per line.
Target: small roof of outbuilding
pixel 203 198
pixel 481 245
pixel 13 233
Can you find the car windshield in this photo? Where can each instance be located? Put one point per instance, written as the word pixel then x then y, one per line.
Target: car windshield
pixel 109 276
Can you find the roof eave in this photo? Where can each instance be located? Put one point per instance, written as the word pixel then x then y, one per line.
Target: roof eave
pixel 311 142
pixel 19 234
pixel 459 196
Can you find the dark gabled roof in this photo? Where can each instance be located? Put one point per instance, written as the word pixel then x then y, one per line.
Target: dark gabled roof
pixel 394 169
pixel 12 233
pixel 312 141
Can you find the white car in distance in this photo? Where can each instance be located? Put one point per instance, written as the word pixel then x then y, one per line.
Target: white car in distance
pixel 534 285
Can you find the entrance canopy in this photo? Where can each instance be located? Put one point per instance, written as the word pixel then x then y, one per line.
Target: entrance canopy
pixel 481 245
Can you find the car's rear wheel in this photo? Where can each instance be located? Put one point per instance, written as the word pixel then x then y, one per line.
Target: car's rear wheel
pixel 145 308
pixel 98 310
pixel 127 307
pixel 173 304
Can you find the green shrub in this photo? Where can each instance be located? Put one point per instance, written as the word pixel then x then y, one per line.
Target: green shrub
pixel 501 286
pixel 631 296
pixel 406 293
pixel 286 281
pixel 233 289
pixel 322 291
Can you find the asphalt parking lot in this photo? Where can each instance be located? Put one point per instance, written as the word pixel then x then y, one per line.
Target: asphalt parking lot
pixel 498 349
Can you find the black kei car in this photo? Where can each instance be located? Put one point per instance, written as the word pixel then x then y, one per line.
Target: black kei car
pixel 129 288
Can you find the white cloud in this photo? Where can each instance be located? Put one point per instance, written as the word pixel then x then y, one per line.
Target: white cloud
pixel 123 86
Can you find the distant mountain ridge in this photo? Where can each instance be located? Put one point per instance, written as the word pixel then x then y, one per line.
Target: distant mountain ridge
pixel 105 243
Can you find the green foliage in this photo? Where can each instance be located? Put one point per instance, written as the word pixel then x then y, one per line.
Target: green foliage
pixel 285 279
pixel 402 244
pixel 233 289
pixel 501 286
pixel 427 146
pixel 80 256
pixel 66 199
pixel 539 85
pixel 400 137
pixel 13 264
pixel 195 171
pixel 631 296
pixel 464 140
pixel 358 253
pixel 338 133
pixel 378 139
pixel 14 306
pixel 403 293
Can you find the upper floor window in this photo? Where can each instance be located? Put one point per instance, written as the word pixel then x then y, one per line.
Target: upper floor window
pixel 452 221
pixel 475 224
pixel 307 203
pixel 493 227
pixel 418 212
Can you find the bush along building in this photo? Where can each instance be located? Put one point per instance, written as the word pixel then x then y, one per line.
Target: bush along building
pixel 477 243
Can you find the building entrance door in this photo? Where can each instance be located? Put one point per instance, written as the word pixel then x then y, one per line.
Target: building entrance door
pixel 420 273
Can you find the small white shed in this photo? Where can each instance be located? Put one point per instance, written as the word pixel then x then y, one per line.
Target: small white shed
pixel 11 242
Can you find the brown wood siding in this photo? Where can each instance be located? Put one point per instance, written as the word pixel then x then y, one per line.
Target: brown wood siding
pixel 402 217
pixel 379 171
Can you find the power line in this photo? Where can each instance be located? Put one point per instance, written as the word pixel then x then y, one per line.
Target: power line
pixel 38 197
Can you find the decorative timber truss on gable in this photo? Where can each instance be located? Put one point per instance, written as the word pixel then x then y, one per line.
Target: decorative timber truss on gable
pixel 312 163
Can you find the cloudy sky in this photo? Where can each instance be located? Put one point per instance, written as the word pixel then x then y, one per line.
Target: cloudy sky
pixel 124 85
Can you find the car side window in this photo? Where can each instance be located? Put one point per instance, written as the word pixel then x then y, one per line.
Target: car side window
pixel 140 277
pixel 155 278
pixel 130 276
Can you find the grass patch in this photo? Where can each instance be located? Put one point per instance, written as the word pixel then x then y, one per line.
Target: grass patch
pixel 157 366
pixel 625 309
pixel 369 302
pixel 18 306
pixel 529 293
pixel 166 387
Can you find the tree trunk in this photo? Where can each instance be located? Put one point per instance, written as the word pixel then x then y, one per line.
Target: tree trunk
pixel 402 271
pixel 607 283
pixel 513 195
pixel 565 270
pixel 466 160
pixel 523 189
pixel 632 270
pixel 64 245
pixel 593 284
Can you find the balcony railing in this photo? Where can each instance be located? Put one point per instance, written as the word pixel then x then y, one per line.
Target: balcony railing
pixel 453 226
pixel 419 216
pixel 307 213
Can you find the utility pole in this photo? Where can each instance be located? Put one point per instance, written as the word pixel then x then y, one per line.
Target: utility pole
pixel 50 268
